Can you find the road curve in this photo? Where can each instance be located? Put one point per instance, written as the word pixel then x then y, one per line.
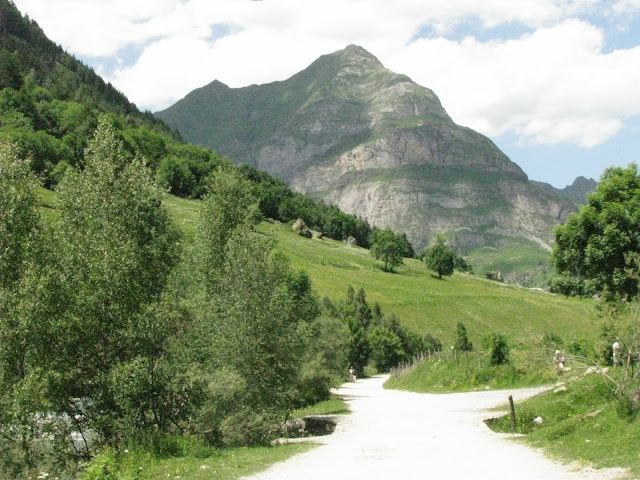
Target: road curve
pixel 400 435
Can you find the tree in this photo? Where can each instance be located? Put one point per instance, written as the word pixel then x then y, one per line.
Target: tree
pixel 388 247
pixel 499 350
pixel 462 340
pixel 359 347
pixel 386 348
pixel 596 248
pixel 431 343
pixel 440 258
pixel 23 300
pixel 116 247
pixel 230 204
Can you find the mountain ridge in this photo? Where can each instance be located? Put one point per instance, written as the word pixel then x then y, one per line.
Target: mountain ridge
pixel 353 133
pixel 576 192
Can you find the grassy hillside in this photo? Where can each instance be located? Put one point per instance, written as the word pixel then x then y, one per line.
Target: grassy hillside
pixel 429 305
pixel 420 300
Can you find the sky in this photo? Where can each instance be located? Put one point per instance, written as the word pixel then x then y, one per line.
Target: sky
pixel 554 83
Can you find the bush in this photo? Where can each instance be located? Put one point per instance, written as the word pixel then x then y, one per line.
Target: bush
pixel 386 349
pixel 247 428
pixel 103 466
pixel 313 385
pixel 431 343
pixel 499 351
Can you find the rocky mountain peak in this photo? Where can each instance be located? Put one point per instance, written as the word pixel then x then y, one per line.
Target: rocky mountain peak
pixel 356 56
pixel 351 132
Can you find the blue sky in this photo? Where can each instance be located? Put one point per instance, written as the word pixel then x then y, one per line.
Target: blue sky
pixel 554 83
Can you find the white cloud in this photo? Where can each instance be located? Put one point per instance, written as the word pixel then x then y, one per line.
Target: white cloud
pixel 554 85
pixel 626 6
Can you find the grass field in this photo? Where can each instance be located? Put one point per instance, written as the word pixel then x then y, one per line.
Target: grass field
pixel 421 301
pixel 429 305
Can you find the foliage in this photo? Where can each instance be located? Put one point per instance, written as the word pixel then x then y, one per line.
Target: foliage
pixel 594 252
pixel 460 264
pixel 386 348
pixel 389 247
pixel 279 202
pixel 373 336
pixel 583 412
pixel 440 258
pixel 431 343
pixel 117 248
pixel 462 342
pixel 498 347
pixel 247 428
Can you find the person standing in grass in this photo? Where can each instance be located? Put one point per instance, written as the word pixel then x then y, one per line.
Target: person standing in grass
pixel 616 353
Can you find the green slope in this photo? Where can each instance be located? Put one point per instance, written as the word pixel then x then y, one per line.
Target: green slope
pixel 428 305
pixel 420 300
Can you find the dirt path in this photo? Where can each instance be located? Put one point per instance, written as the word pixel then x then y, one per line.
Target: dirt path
pixel 399 435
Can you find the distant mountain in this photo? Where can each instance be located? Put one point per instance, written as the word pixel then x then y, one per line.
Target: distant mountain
pixel 576 192
pixel 376 144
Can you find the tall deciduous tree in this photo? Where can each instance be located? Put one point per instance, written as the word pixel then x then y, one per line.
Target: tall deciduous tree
pixel 596 250
pixel 116 248
pixel 252 302
pixel 229 205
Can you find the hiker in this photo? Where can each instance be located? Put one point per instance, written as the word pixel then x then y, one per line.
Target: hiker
pixel 616 354
pixel 558 361
pixel 352 374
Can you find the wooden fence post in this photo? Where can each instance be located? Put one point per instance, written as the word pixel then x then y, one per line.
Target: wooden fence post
pixel 513 414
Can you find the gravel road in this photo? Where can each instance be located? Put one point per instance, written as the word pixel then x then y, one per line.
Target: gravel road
pixel 400 435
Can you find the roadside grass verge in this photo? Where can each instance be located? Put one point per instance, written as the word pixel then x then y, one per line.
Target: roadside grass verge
pixel 472 372
pixel 334 406
pixel 193 461
pixel 583 423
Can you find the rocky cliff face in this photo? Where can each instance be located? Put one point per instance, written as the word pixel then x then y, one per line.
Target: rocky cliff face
pixel 353 133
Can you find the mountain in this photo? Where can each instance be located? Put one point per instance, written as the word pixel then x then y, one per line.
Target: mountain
pixel 353 133
pixel 50 104
pixel 576 192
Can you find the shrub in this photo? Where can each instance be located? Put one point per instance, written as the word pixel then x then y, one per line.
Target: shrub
pixel 313 385
pixel 247 428
pixel 499 351
pixel 103 466
pixel 431 343
pixel 386 348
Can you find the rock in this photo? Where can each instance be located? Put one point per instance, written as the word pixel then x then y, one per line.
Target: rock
pixel 316 234
pixel 352 242
pixel 594 414
pixel 591 370
pixel 301 228
pixel 560 389
pixel 538 420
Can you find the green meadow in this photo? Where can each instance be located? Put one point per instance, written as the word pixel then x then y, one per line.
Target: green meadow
pixel 426 304
pixel 415 295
